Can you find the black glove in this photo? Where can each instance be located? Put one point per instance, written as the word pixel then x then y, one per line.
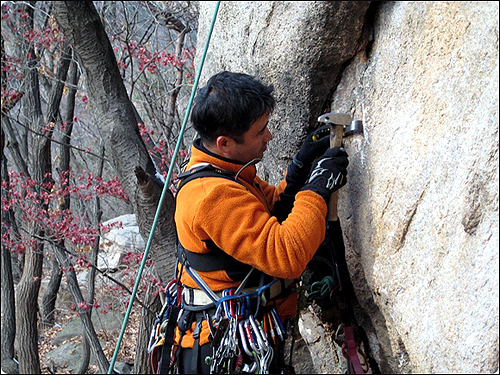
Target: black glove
pixel 315 145
pixel 329 173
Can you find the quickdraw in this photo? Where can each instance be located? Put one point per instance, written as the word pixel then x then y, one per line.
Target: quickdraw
pixel 161 338
pixel 355 356
pixel 242 343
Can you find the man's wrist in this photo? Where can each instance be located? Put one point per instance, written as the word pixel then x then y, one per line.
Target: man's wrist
pixel 323 192
pixel 297 162
pixel 297 172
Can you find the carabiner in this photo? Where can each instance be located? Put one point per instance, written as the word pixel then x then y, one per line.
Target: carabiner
pixel 243 339
pixel 250 336
pixel 263 345
pixel 279 325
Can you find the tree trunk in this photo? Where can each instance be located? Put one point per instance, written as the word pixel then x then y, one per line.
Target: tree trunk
pixel 27 311
pixel 29 285
pixel 92 273
pixel 83 28
pixel 164 239
pixel 8 302
pixel 50 297
pixel 8 315
pixel 107 93
pixel 14 147
pixel 172 103
pixel 8 332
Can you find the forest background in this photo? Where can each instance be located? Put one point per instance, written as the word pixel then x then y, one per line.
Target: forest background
pixel 93 95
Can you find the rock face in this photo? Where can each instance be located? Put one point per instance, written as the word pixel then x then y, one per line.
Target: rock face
pixel 421 207
pixel 420 210
pixel 119 241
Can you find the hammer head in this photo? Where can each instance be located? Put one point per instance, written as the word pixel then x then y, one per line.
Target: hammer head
pixel 341 119
pixel 335 119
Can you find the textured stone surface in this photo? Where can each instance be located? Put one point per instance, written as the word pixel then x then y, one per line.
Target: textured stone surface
pixel 420 210
pixel 318 340
pixel 67 352
pixel 421 207
pixel 111 321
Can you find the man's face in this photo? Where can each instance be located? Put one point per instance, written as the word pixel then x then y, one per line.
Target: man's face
pixel 254 141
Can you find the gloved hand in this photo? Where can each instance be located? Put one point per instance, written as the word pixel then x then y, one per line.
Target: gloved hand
pixel 315 145
pixel 329 173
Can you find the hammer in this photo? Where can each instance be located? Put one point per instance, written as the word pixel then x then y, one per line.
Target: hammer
pixel 338 121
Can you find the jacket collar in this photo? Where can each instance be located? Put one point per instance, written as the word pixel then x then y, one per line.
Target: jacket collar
pixel 200 154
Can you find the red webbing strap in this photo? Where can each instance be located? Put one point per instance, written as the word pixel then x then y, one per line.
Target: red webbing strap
pixel 352 351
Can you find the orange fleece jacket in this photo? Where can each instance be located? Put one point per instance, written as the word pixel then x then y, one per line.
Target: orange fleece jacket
pixel 239 220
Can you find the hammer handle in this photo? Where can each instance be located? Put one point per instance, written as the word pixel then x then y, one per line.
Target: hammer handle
pixel 336 134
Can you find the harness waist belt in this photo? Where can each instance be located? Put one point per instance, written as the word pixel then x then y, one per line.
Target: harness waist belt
pixel 197 297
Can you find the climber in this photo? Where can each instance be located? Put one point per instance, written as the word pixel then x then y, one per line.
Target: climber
pixel 234 228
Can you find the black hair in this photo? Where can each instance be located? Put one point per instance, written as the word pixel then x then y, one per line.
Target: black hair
pixel 229 104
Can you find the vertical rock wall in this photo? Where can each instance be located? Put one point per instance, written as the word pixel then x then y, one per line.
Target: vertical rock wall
pixel 420 211
pixel 421 207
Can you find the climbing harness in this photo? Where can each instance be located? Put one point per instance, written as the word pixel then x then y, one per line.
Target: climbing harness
pixel 242 339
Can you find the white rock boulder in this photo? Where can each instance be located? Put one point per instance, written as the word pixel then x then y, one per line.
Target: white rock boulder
pixel 119 241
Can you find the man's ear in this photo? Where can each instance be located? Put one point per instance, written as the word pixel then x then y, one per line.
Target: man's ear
pixel 225 145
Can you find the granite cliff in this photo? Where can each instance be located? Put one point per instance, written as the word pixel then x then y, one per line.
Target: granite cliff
pixel 420 210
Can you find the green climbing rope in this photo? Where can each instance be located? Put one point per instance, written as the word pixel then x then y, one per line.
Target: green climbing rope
pixel 165 189
pixel 321 290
